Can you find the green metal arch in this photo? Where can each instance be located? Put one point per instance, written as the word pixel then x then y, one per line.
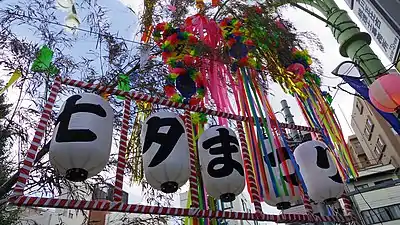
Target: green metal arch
pixel 354 44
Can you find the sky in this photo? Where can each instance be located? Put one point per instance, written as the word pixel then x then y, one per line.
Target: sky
pixel 126 25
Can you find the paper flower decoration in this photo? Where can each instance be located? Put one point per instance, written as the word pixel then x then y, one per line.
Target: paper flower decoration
pixel 184 83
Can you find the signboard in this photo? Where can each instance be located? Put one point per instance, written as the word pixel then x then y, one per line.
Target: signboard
pixel 378 27
pixel 390 11
pixel 349 3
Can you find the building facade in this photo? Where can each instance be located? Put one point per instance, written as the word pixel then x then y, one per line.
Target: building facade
pixel 374 193
pixel 380 142
pixel 375 200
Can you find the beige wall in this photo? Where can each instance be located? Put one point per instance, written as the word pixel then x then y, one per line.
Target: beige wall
pixel 360 158
pixel 381 130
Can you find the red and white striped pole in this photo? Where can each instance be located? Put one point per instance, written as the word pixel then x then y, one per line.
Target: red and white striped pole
pixel 194 194
pixel 123 143
pixel 37 139
pixel 162 101
pixel 306 198
pixel 249 169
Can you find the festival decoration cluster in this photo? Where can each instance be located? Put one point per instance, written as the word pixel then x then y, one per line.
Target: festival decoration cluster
pixel 216 68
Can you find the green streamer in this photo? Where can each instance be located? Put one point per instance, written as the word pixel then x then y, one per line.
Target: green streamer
pixel 285 190
pixel 246 86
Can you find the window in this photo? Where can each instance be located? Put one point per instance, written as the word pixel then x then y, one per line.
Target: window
pixel 380 147
pixel 369 128
pixel 358 148
pixel 383 214
pixel 359 106
pixel 361 186
pixel 382 181
pixel 395 211
pixel 228 205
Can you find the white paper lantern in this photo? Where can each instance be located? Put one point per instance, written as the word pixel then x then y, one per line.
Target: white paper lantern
pixel 320 174
pixel 81 143
pixel 283 200
pixel 165 150
pixel 221 163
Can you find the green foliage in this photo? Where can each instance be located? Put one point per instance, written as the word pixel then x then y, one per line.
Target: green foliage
pixel 8 215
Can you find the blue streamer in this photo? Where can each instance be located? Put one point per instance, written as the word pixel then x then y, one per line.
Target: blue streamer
pixel 291 156
pixel 326 139
pixel 260 134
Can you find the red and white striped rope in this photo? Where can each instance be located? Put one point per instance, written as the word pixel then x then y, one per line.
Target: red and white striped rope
pixel 144 209
pixel 37 139
pixel 249 169
pixel 306 198
pixel 348 210
pixel 165 102
pixel 193 161
pixel 123 143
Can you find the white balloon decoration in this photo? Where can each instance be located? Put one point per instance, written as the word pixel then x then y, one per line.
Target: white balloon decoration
pixel 320 174
pixel 81 143
pixel 165 150
pixel 221 163
pixel 283 200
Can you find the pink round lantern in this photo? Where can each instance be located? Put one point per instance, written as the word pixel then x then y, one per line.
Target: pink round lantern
pixel 385 93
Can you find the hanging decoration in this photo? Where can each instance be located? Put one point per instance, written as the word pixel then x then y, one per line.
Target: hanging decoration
pixel 200 4
pixel 361 88
pixel 385 94
pixel 287 181
pixel 317 110
pixel 147 19
pixel 134 151
pixel 71 20
pixel 239 46
pixel 123 84
pixel 216 74
pixel 65 4
pixel 215 3
pixel 14 77
pixel 320 173
pixel 221 163
pixel 81 143
pixel 184 83
pixel 42 62
pixel 165 151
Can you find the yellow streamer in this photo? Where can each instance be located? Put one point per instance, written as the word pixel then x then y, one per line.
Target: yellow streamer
pixel 133 151
pixel 337 132
pixel 332 129
pixel 15 76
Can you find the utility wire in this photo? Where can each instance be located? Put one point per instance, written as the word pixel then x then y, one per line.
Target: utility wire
pixel 76 28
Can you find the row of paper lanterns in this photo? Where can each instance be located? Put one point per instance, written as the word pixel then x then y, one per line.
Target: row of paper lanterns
pixel 81 145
